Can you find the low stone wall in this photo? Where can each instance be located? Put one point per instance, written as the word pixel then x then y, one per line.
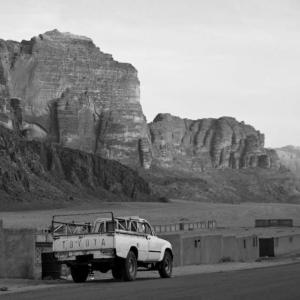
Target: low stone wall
pixel 17 252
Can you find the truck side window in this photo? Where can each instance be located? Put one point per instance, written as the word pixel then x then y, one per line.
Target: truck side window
pixel 148 229
pixel 109 226
pixel 141 227
pixel 133 226
pixel 99 228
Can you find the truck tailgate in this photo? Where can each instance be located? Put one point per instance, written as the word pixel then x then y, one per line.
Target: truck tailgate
pixel 87 242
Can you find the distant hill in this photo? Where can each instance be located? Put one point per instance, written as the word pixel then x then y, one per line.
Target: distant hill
pixel 290 158
pixel 227 185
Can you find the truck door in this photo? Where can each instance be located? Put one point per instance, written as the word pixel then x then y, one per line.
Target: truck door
pixel 140 240
pixel 154 247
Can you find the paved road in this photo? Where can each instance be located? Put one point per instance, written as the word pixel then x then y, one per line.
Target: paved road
pixel 282 282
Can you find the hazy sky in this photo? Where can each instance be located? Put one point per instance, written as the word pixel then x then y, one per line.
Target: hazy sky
pixel 195 59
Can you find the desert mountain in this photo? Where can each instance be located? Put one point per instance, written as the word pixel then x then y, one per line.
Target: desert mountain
pixel 61 91
pixel 75 95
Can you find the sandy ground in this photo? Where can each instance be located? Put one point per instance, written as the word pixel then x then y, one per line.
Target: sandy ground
pixel 8 286
pixel 227 215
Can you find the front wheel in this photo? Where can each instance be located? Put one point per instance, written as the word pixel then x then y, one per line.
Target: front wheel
pixel 166 266
pixel 79 274
pixel 130 267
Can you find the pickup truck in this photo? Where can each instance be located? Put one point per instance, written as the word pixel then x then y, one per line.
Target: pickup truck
pixel 119 244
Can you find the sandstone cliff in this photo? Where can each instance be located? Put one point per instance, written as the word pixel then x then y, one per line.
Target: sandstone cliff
pixel 77 96
pixel 208 143
pixel 74 94
pixel 290 158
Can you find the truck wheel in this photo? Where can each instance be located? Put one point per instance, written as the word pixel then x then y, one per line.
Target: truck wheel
pixel 79 274
pixel 166 266
pixel 130 267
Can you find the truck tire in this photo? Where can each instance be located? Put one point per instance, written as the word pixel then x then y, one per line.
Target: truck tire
pixel 166 266
pixel 79 274
pixel 130 267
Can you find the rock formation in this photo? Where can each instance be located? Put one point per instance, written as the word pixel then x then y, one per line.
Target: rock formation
pixel 290 158
pixel 208 143
pixel 34 171
pixel 78 107
pixel 79 97
pixel 74 94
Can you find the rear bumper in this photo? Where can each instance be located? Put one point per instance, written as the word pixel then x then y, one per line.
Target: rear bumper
pixel 63 256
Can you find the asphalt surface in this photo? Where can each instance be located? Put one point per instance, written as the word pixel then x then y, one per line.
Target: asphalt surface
pixel 281 282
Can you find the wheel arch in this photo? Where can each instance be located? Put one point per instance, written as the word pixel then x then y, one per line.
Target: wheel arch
pixel 166 249
pixel 135 251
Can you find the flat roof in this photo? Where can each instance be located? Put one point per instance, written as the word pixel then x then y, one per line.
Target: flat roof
pixel 260 232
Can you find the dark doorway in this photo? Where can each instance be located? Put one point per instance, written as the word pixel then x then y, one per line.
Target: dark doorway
pixel 266 247
pixel 50 266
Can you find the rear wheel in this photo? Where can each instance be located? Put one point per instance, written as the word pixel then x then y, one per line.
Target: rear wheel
pixel 79 274
pixel 130 267
pixel 166 266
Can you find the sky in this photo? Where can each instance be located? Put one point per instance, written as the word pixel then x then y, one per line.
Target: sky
pixel 195 58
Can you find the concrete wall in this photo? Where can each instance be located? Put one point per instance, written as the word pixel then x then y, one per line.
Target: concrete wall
pixel 191 254
pixel 211 249
pixel 17 253
pixel 230 248
pixel 248 248
pixel 286 244
pixel 196 249
pixel 176 241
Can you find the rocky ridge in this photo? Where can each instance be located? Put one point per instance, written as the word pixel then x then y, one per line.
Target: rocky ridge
pixel 74 94
pixel 38 173
pixel 208 144
pixel 290 158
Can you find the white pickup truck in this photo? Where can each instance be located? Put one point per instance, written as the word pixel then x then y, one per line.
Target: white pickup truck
pixel 120 244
